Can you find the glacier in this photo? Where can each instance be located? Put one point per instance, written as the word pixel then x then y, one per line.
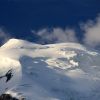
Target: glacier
pixel 62 71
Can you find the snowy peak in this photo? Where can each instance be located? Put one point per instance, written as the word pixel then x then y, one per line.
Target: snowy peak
pixel 18 43
pixel 63 71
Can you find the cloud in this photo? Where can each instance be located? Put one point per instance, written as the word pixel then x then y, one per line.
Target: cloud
pixel 56 35
pixel 92 32
pixel 4 36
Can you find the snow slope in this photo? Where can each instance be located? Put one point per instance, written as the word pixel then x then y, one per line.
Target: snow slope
pixel 65 71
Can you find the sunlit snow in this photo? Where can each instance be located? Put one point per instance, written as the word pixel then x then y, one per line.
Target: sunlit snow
pixel 64 71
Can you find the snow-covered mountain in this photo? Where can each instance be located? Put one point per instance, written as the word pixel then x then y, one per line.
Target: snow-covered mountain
pixel 64 71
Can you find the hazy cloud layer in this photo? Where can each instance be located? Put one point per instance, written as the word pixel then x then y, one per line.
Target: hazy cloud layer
pixel 4 36
pixel 56 35
pixel 92 32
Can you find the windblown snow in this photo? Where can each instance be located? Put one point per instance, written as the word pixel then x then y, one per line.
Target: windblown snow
pixel 64 71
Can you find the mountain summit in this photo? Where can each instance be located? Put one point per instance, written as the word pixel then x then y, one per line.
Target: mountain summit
pixel 63 71
pixel 18 43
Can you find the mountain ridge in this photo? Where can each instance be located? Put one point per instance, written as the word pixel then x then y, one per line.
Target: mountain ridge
pixel 64 71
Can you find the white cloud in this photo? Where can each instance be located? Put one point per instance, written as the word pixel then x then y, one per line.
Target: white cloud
pixel 92 32
pixel 4 36
pixel 56 35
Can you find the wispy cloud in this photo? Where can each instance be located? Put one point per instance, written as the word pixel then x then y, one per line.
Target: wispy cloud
pixel 4 36
pixel 92 32
pixel 56 35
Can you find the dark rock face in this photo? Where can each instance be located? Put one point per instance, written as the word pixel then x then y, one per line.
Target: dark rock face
pixel 8 75
pixel 7 97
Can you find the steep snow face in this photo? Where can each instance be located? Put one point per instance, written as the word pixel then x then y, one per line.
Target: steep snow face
pixel 65 71
pixel 10 73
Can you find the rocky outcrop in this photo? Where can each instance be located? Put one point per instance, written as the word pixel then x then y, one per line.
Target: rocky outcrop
pixel 9 97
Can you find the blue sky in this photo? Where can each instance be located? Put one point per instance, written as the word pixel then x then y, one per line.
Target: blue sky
pixel 26 19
